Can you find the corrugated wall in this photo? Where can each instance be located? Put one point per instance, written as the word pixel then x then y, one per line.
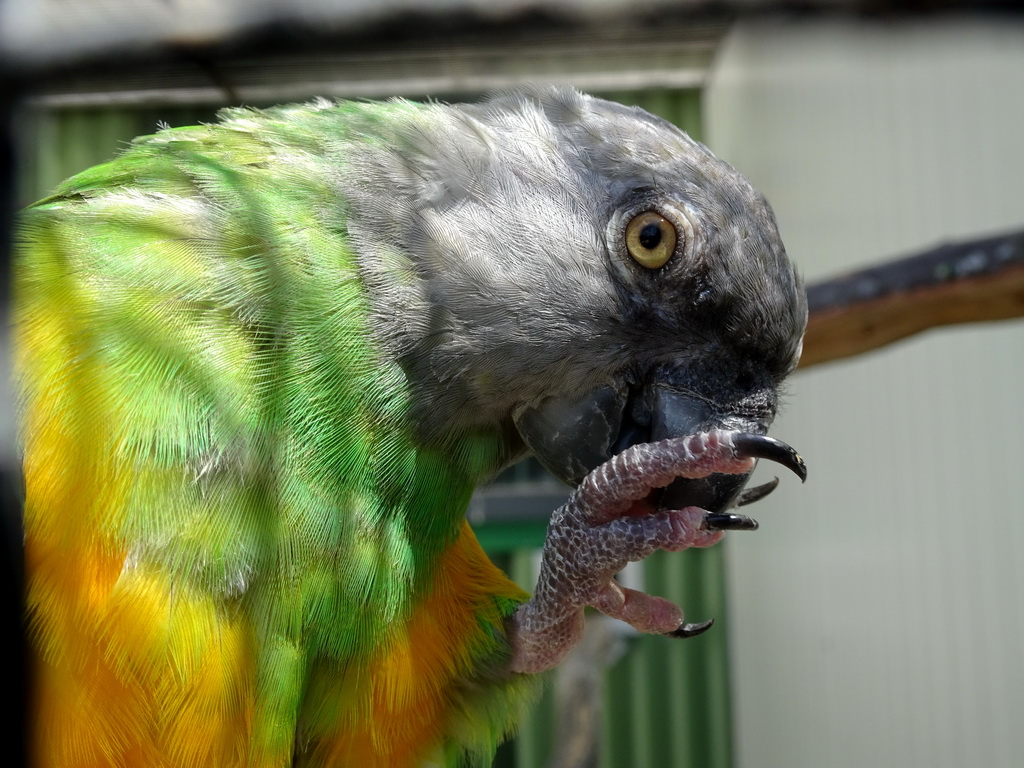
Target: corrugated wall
pixel 878 615
pixel 658 703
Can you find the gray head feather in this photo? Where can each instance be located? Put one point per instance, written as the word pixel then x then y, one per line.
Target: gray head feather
pixel 490 237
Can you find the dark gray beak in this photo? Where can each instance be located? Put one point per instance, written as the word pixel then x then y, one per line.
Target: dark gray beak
pixel 572 436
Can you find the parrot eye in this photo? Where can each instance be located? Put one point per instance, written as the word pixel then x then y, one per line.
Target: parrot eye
pixel 650 239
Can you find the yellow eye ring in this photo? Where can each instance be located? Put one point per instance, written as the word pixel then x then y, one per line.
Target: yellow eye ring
pixel 650 239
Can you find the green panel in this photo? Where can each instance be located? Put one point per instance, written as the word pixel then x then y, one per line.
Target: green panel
pixel 679 107
pixel 666 702
pixel 504 537
pixel 65 141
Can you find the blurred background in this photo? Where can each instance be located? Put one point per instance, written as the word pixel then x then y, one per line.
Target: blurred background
pixel 877 617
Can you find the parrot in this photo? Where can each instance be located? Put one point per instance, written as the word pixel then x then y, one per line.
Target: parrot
pixel 263 364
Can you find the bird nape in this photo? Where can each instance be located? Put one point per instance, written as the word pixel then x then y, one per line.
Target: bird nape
pixel 264 363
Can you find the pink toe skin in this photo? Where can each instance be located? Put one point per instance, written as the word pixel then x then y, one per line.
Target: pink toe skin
pixel 705 538
pixel 645 613
pixel 648 613
pixel 611 489
pixel 687 524
pixel 701 537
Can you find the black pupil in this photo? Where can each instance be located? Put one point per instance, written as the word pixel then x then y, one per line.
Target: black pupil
pixel 650 236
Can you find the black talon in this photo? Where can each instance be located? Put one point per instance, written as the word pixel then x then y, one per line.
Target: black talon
pixel 729 521
pixel 757 493
pixel 764 447
pixel 691 630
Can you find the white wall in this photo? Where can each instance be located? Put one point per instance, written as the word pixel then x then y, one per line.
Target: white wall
pixel 877 617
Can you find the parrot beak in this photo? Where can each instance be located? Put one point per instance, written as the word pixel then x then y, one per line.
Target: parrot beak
pixel 572 436
pixel 675 414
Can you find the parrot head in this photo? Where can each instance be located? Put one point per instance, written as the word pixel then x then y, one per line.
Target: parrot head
pixel 582 275
pixel 721 311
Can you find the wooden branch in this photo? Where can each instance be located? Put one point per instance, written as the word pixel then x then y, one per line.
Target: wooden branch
pixel 972 281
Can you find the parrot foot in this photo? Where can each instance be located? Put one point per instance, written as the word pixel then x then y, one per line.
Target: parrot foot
pixel 609 520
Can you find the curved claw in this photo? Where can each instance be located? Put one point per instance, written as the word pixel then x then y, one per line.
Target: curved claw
pixel 691 630
pixel 764 447
pixel 729 521
pixel 757 493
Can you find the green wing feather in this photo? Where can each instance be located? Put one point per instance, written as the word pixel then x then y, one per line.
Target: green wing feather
pixel 215 329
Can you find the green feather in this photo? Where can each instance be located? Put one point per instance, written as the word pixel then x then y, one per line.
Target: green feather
pixel 213 289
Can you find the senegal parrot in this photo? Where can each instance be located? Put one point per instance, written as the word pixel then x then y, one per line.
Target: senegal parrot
pixel 264 363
